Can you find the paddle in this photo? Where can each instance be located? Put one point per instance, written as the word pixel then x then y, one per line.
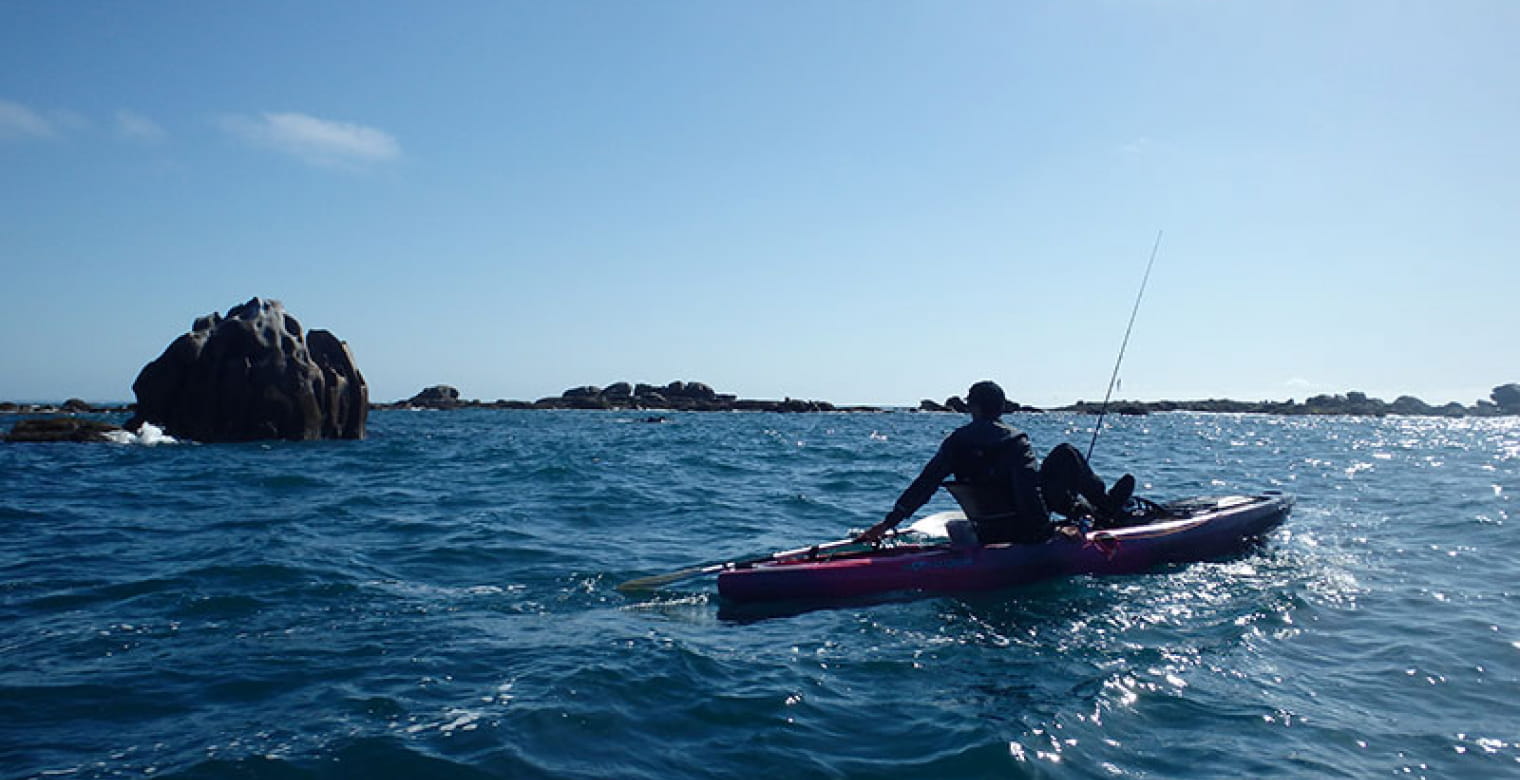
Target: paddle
pixel 932 525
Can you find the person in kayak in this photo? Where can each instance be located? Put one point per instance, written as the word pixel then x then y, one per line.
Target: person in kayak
pixel 994 466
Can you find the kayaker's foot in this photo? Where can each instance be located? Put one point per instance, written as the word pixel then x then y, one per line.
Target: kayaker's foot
pixel 1119 495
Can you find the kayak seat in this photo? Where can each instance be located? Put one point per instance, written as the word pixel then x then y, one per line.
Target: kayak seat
pixel 991 510
pixel 981 503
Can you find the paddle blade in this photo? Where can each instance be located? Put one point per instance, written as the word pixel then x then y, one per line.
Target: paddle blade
pixel 661 580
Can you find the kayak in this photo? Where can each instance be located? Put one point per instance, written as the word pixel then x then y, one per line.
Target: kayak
pixel 1176 532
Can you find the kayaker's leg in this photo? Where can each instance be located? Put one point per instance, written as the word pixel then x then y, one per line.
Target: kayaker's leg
pixel 1065 475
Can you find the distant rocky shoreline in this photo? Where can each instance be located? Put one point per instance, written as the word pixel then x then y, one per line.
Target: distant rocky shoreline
pixel 255 374
pixel 1505 401
pixel 699 397
pixel 71 406
pixel 676 397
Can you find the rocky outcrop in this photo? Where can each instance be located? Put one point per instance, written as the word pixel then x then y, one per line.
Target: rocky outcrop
pixel 253 374
pixel 676 396
pixel 55 429
pixel 1507 398
pixel 435 397
pixel 955 404
pixel 681 396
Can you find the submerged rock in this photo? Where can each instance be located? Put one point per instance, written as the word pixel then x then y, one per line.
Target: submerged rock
pixel 253 375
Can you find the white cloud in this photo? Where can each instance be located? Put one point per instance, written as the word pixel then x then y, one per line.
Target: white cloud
pixel 1301 385
pixel 315 141
pixel 136 127
pixel 18 121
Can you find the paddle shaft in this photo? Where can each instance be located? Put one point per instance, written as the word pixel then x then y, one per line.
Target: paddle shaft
pixel 646 583
pixel 926 524
pixel 1103 410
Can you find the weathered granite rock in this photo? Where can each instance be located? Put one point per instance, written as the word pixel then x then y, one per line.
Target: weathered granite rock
pixel 955 404
pixel 253 375
pixel 435 397
pixel 1408 404
pixel 696 391
pixel 651 399
pixel 1507 398
pixel 53 429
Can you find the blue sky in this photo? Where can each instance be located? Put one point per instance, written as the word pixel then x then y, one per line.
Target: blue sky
pixel 864 202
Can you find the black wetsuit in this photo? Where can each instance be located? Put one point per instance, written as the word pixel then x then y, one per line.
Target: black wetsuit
pixel 991 456
pixel 1064 476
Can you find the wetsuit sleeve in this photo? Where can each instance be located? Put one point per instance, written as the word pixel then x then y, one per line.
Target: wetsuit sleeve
pixel 923 487
pixel 1025 470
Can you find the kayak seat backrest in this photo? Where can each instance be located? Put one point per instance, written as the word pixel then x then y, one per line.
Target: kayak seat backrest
pixel 982 503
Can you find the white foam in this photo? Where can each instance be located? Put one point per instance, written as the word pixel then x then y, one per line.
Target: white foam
pixel 149 435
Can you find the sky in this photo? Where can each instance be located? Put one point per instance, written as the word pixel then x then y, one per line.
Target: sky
pixel 860 202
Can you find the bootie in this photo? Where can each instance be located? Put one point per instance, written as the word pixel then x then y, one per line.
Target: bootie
pixel 1119 495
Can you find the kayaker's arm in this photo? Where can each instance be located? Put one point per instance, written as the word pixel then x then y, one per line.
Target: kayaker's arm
pixel 917 494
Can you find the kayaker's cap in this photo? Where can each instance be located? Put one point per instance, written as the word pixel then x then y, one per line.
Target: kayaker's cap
pixel 986 397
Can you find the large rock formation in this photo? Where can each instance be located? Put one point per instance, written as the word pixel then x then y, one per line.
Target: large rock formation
pixel 253 375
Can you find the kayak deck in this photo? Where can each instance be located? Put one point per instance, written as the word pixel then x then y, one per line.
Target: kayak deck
pixel 1190 530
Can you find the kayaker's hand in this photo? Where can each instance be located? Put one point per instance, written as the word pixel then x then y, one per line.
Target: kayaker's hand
pixel 876 532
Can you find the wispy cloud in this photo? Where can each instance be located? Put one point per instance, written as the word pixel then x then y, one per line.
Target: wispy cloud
pixel 313 140
pixel 18 121
pixel 136 127
pixel 1299 384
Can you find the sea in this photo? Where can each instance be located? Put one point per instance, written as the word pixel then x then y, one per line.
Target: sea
pixel 439 601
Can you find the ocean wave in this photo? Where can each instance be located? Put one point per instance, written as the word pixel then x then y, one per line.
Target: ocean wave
pixel 149 435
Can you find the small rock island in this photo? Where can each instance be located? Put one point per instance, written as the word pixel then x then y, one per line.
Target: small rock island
pixel 253 374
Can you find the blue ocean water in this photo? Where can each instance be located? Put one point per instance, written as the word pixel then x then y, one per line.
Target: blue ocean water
pixel 438 601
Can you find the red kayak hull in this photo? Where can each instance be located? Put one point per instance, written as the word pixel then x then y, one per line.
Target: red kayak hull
pixel 1208 528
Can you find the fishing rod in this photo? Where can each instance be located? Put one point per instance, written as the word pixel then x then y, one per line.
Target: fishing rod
pixel 1103 410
